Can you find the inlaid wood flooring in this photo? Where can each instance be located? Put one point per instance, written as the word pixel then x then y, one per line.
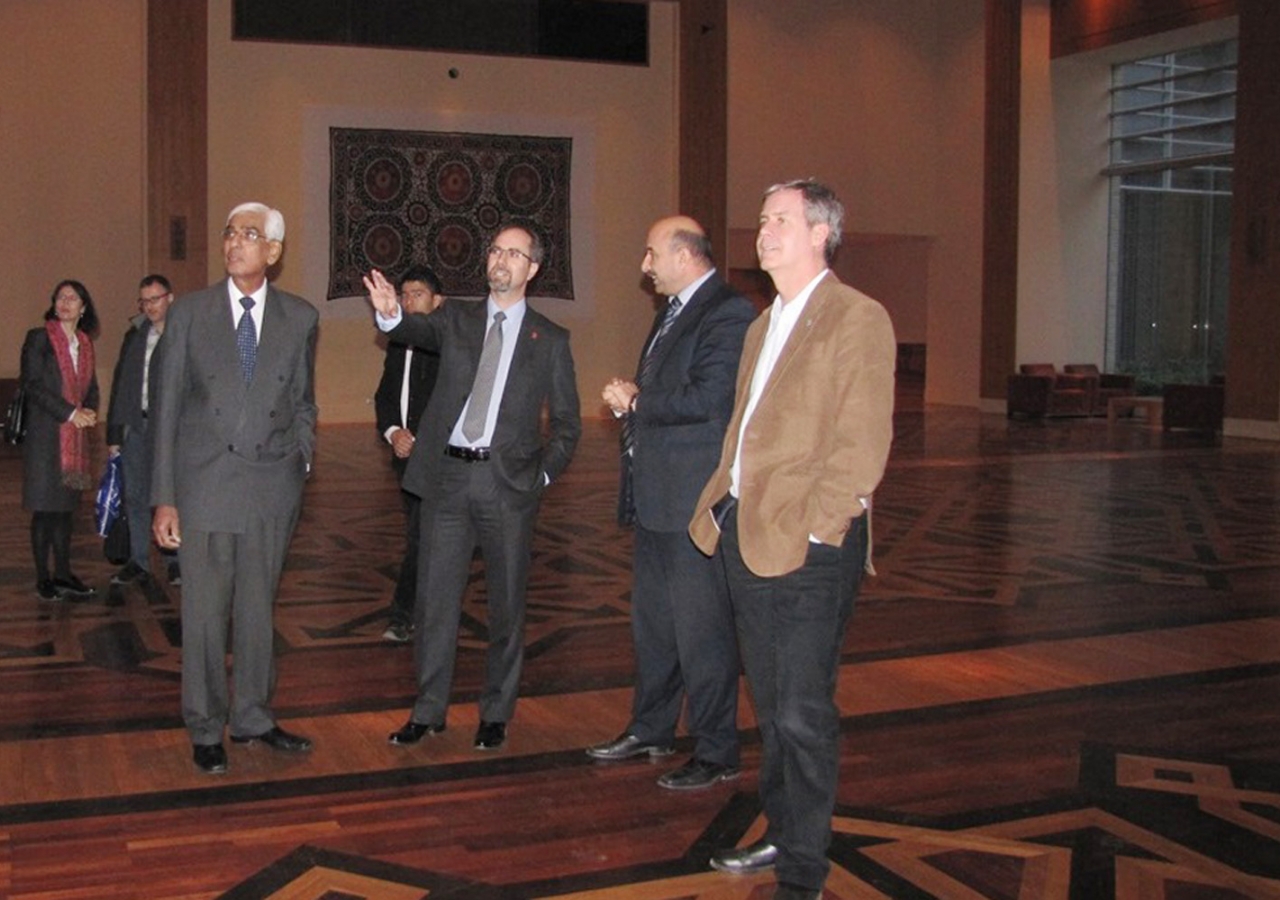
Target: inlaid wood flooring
pixel 1063 683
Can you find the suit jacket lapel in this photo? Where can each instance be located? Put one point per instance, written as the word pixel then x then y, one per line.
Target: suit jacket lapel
pixel 653 331
pixel 799 335
pixel 273 326
pixel 224 322
pixel 478 325
pixel 751 348
pixel 684 321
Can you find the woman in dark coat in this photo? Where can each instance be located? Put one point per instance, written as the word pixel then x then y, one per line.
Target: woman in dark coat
pixel 62 400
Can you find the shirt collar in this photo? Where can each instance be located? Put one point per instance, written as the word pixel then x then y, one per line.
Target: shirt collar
pixel 692 288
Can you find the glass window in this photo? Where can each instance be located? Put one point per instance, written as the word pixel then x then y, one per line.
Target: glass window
pixel 1172 140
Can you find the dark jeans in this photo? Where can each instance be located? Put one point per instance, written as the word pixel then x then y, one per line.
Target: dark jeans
pixel 790 628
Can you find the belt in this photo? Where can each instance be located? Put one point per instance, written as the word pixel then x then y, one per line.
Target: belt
pixel 467 454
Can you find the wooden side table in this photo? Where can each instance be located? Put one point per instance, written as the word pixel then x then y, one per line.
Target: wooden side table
pixel 1152 408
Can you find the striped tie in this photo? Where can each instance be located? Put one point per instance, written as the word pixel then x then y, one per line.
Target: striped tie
pixel 646 367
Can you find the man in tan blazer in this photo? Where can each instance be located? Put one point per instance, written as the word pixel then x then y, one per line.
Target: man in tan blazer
pixel 786 512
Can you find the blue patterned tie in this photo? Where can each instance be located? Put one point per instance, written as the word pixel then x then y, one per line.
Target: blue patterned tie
pixel 247 340
pixel 646 366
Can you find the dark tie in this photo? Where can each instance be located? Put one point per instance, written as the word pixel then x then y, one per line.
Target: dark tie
pixel 646 367
pixel 486 375
pixel 247 340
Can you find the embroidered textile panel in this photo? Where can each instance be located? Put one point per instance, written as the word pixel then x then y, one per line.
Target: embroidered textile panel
pixel 402 198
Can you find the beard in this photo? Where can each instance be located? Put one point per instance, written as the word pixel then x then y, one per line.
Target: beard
pixel 499 280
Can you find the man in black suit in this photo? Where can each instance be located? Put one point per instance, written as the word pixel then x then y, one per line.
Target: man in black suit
pixel 408 376
pixel 127 419
pixel 480 464
pixel 234 433
pixel 674 416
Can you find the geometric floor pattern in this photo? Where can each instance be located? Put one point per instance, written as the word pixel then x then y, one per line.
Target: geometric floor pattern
pixel 1063 683
pixel 1140 826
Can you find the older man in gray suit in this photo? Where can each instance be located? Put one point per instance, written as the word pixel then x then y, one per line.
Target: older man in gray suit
pixel 234 431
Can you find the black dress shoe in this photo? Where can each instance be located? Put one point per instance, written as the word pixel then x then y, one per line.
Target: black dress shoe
pixel 491 735
pixel 72 588
pixel 277 739
pixel 130 573
pixel 786 891
pixel 411 732
pixel 744 860
pixel 697 774
pixel 628 746
pixel 45 589
pixel 210 758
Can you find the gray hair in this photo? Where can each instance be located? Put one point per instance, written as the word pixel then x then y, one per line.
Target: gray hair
pixel 272 219
pixel 821 207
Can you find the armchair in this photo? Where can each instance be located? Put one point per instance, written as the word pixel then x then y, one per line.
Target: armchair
pixel 1108 385
pixel 1039 390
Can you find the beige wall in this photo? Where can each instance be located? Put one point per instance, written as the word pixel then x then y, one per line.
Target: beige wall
pixel 71 148
pixel 889 113
pixel 268 103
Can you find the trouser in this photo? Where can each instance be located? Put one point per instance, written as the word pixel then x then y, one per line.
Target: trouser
pixel 790 628
pixel 230 577
pixel 469 507
pixel 51 532
pixel 135 458
pixel 682 628
pixel 402 601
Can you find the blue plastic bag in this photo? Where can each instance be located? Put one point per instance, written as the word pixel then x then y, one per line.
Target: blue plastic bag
pixel 107 505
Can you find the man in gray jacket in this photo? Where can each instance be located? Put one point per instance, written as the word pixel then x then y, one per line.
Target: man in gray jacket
pixel 234 435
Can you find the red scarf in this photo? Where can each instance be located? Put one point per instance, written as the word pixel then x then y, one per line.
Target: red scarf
pixel 76 379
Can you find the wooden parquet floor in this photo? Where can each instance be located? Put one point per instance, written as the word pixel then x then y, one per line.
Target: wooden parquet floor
pixel 1064 683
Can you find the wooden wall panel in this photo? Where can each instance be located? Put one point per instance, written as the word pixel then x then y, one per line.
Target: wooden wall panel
pixel 1000 196
pixel 1089 24
pixel 177 141
pixel 1253 311
pixel 704 117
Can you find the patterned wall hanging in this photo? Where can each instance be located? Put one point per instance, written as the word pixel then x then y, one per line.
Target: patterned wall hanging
pixel 402 198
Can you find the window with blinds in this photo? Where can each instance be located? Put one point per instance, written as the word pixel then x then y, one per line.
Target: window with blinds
pixel 1172 139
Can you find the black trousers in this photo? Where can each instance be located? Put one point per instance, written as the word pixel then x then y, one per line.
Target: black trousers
pixel 402 601
pixel 790 628
pixel 682 627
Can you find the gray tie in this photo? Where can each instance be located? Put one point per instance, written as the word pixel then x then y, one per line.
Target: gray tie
pixel 486 375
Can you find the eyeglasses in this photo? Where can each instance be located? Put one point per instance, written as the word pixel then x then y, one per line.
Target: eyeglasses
pixel 248 235
pixel 511 253
pixel 142 301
